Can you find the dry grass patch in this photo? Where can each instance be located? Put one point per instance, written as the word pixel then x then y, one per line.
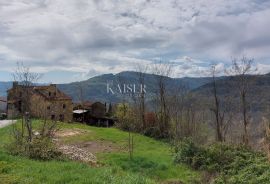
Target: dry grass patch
pixel 70 132
pixel 84 151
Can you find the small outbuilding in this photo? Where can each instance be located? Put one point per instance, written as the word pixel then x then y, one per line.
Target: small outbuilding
pixel 92 114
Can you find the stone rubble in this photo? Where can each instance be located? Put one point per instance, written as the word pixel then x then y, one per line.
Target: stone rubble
pixel 79 154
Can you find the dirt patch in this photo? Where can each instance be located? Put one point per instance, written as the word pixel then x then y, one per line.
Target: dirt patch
pixel 99 146
pixel 83 151
pixel 69 133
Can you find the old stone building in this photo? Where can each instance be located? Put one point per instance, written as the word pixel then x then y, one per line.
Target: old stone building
pixel 46 102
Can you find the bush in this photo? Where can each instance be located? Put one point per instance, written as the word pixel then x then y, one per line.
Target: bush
pixel 152 132
pixel 125 117
pixel 41 148
pixel 233 164
pixel 186 151
pixel 34 144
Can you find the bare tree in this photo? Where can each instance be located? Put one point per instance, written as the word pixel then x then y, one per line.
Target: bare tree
pixel 125 114
pixel 125 117
pixel 264 130
pixel 37 143
pixel 266 139
pixel 241 71
pixel 216 108
pixel 26 79
pixel 141 71
pixel 177 107
pixel 162 70
pixel 219 108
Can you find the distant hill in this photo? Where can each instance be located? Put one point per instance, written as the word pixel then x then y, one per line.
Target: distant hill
pixel 258 95
pixel 96 88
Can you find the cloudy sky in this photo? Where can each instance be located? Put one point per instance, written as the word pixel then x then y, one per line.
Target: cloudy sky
pixel 71 40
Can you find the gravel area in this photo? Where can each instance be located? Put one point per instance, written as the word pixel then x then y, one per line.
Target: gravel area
pixel 79 154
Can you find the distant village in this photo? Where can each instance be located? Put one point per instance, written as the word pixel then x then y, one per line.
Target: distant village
pixel 48 102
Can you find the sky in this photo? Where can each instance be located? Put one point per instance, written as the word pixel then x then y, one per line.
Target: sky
pixel 73 40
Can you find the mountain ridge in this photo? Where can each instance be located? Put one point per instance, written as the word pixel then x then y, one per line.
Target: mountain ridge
pixel 95 88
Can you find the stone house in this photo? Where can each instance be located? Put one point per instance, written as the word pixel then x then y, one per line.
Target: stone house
pixel 46 102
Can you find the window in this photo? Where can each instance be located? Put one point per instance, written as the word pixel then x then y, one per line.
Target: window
pixel 52 117
pixel 61 117
pixel 20 94
pixel 50 94
pixel 64 106
pixel 48 108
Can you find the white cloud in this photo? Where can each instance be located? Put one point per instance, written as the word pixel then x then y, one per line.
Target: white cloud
pixel 112 36
pixel 262 68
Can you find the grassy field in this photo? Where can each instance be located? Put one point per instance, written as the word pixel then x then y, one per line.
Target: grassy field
pixel 152 162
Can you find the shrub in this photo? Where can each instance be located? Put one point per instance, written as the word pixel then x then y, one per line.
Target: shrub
pixel 125 117
pixel 41 148
pixel 186 151
pixel 34 145
pixel 152 132
pixel 235 165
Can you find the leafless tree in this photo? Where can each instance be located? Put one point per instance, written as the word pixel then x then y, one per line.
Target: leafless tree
pixel 141 71
pixel 26 79
pixel 266 141
pixel 32 143
pixel 162 70
pixel 127 118
pixel 241 71
pixel 223 115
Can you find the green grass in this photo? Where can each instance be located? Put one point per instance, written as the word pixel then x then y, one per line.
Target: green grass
pixel 22 170
pixel 152 161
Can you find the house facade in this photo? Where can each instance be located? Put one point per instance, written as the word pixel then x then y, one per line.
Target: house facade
pixel 46 102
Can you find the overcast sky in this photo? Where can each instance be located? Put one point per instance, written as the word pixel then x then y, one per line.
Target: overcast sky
pixel 71 40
